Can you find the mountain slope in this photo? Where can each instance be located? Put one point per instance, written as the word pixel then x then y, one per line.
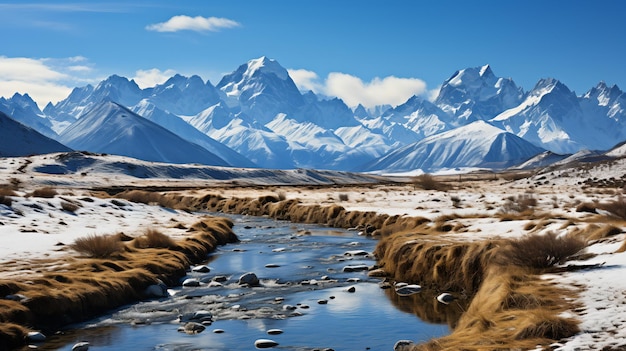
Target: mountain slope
pixel 111 128
pixel 477 144
pixel 20 140
pixel 186 131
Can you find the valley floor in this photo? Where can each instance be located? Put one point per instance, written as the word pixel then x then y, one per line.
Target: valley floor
pixel 36 231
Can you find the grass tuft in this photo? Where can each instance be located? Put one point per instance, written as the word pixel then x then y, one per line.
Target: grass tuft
pixel 45 192
pixel 428 182
pixel 98 246
pixel 616 207
pixel 153 238
pixel 540 251
pixel 69 206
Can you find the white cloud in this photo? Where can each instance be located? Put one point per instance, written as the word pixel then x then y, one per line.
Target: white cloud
pixel 151 77
pixel 353 91
pixel 44 80
pixel 198 24
pixel 306 80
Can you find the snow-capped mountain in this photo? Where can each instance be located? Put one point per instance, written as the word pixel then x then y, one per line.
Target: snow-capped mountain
pixel 477 94
pixel 109 127
pixel 262 89
pixel 549 117
pixel 178 126
pixel 24 110
pixel 20 140
pixel 183 96
pixel 477 144
pixel 257 116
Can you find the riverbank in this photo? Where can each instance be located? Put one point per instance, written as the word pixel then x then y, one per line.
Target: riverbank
pixel 522 256
pixel 105 253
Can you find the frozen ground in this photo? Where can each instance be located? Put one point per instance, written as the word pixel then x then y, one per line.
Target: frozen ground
pixel 34 231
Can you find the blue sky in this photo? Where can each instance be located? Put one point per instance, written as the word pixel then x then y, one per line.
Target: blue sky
pixel 362 51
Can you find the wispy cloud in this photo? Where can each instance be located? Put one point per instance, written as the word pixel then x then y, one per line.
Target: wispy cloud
pixel 354 91
pixel 151 77
pixel 44 79
pixel 198 24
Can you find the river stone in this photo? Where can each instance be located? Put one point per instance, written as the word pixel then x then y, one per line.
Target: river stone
pixel 274 331
pixel 445 298
pixel 197 316
pixel 201 269
pixel 351 289
pixel 81 346
pixel 265 343
pixel 322 301
pixel 220 278
pixel 356 253
pixel 191 282
pixel 15 297
pixel 156 290
pixel 408 290
pixel 192 328
pixel 249 279
pixel 218 331
pixel 289 307
pixel 272 265
pixel 403 345
pixel 35 336
pixel 355 268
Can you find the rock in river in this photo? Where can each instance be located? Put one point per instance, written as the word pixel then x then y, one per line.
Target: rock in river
pixel 409 289
pixel 265 343
pixel 356 268
pixel 81 346
pixel 249 279
pixel 192 328
pixel 445 298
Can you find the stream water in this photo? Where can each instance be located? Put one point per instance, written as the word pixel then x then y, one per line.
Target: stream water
pixel 311 289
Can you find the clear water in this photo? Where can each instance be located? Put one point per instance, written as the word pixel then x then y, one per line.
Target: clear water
pixel 298 265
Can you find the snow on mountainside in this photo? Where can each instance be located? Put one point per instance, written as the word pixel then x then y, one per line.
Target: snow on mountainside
pixel 262 88
pixel 186 131
pixel 20 140
pixel 24 110
pixel 550 117
pixel 477 144
pixel 477 94
pixel 111 128
pixel 258 113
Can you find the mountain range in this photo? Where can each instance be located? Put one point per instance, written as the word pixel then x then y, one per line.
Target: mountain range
pixel 257 117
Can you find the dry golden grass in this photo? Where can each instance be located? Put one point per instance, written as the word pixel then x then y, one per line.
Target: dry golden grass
pixel 98 246
pixel 7 190
pixel 84 287
pixel 45 192
pixel 616 207
pixel 153 238
pixel 540 251
pixel 428 182
pixel 69 206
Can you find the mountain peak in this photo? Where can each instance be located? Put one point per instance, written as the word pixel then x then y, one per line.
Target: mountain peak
pixel 470 75
pixel 486 71
pixel 266 65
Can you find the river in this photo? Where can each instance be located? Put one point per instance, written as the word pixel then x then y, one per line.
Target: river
pixel 312 292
